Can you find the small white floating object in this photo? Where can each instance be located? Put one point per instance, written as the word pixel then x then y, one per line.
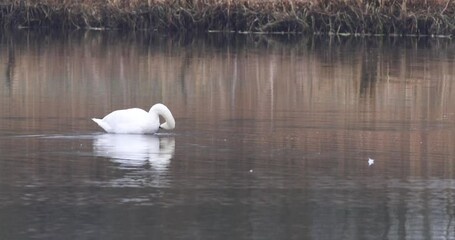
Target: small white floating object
pixel 370 161
pixel 251 170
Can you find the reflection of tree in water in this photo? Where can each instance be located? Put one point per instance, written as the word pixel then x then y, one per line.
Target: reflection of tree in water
pixel 285 101
pixel 10 65
pixel 369 71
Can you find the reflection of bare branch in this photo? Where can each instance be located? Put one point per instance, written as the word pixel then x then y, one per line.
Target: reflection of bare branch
pixel 222 74
pixel 368 76
pixel 10 65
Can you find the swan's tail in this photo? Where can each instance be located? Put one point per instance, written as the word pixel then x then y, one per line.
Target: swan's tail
pixel 102 124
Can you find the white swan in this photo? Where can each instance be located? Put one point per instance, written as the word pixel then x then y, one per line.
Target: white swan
pixel 136 120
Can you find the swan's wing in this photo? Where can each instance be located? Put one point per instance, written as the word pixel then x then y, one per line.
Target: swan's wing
pixel 133 120
pixel 125 116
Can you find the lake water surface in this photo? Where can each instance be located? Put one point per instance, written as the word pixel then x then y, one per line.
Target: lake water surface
pixel 273 138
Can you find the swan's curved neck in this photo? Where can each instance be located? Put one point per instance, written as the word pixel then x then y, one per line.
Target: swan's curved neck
pixel 163 111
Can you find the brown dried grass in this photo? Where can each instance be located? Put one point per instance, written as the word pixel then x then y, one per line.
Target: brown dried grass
pixel 402 17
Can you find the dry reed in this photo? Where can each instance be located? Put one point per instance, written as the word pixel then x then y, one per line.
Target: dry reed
pixel 401 17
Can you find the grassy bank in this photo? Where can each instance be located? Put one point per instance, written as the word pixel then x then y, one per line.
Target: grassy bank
pixel 402 17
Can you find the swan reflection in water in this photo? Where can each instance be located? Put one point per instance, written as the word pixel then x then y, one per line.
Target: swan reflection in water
pixel 130 150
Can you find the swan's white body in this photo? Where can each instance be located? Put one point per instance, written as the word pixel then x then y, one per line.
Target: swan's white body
pixel 136 120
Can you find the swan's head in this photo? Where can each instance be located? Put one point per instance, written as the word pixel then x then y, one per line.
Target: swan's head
pixel 163 111
pixel 167 125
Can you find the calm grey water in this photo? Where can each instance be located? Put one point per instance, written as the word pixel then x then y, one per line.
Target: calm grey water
pixel 273 137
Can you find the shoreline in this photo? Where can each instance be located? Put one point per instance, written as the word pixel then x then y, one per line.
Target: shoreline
pixel 353 18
